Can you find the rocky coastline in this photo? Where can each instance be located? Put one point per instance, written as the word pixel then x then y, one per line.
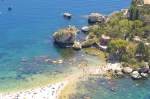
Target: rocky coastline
pixel 101 41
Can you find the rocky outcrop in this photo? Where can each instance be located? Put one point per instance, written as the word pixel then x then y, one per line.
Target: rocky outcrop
pixel 144 75
pixel 119 73
pixel 85 29
pixel 127 70
pixel 65 37
pixel 136 75
pixel 96 17
pixel 67 15
pixel 88 43
pixel 77 45
pixel 143 70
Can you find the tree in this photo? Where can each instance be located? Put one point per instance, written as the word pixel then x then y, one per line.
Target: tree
pixel 125 26
pixel 142 52
pixel 137 28
pixel 117 47
pixel 134 11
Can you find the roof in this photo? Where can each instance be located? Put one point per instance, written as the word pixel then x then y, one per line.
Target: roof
pixel 146 1
pixel 105 37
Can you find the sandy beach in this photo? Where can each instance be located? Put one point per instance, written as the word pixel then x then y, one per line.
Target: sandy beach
pixel 51 91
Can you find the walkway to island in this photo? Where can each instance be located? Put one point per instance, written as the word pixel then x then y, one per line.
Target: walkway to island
pixel 52 91
pixel 48 92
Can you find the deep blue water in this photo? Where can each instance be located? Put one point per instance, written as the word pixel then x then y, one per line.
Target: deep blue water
pixel 26 32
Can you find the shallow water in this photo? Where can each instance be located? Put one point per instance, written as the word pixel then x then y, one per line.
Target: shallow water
pixel 124 88
pixel 26 33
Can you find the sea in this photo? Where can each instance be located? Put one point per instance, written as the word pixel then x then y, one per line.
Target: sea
pixel 26 28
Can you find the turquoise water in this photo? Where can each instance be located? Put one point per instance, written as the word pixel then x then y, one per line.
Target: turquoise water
pixel 26 33
pixel 124 88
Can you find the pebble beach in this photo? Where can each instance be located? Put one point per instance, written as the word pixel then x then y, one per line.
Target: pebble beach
pixel 51 91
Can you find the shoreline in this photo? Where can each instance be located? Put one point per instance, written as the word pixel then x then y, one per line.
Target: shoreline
pixel 50 91
pixel 59 89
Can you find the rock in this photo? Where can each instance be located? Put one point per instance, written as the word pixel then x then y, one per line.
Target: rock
pixel 60 61
pixel 136 75
pixel 67 15
pixel 114 66
pixel 145 75
pixel 57 61
pixel 88 43
pixel 143 70
pixel 65 37
pixel 85 29
pixel 54 62
pixel 137 39
pixel 77 45
pixel 48 60
pixel 96 17
pixel 127 70
pixel 119 73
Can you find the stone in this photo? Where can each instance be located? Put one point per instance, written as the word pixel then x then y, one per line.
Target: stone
pixel 96 17
pixel 88 43
pixel 85 29
pixel 60 61
pixel 127 70
pixel 143 70
pixel 77 45
pixel 145 75
pixel 136 75
pixel 65 37
pixel 137 39
pixel 119 73
pixel 67 15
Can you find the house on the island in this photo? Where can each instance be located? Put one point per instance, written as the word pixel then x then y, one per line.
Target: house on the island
pixel 146 1
pixel 125 12
pixel 104 42
pixel 146 19
pixel 137 39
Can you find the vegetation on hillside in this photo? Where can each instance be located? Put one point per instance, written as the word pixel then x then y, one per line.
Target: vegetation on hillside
pixel 124 31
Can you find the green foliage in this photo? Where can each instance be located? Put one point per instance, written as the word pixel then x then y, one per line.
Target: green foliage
pixel 117 48
pixel 117 45
pixel 89 42
pixel 120 29
pixel 125 26
pixel 142 52
pixel 66 34
pixel 134 11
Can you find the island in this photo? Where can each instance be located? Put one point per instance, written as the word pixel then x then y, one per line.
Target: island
pixel 119 41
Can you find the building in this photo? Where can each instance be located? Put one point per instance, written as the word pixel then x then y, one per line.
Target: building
pixel 146 1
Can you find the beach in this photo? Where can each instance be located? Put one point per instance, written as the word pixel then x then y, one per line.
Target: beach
pixel 50 91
